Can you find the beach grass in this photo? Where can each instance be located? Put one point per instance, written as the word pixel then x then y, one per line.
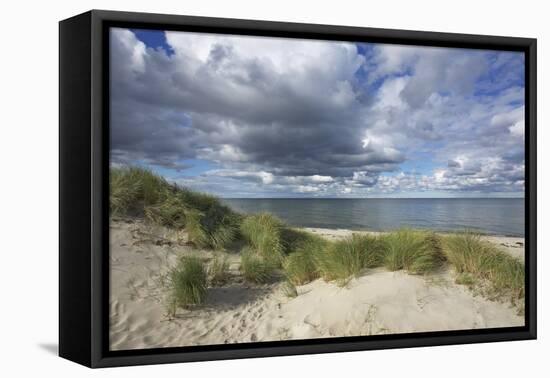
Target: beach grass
pixel 263 233
pixel 293 239
pixel 132 189
pixel 344 259
pixel 170 212
pixel 465 279
pixel 479 260
pixel 137 192
pixel 218 270
pixel 187 284
pixel 301 266
pixel 214 229
pixel 289 290
pixel 417 252
pixel 255 268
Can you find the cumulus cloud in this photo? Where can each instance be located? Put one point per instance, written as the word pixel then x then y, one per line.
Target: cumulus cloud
pixel 276 117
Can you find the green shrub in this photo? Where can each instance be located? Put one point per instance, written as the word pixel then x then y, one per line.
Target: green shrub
pixel 188 283
pixel 414 251
pixel 255 268
pixel 263 233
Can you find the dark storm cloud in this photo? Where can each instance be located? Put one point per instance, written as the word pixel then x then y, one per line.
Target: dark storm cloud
pixel 281 120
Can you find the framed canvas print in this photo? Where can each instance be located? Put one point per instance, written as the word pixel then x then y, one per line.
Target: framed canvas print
pixel 233 188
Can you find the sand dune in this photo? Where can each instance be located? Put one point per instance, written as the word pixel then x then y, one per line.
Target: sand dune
pixel 376 303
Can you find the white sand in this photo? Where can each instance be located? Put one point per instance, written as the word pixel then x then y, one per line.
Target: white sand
pixel 377 302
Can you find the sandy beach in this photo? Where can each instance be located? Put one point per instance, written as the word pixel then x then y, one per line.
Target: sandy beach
pixel 378 302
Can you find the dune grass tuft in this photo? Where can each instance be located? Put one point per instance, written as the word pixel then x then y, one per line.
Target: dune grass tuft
pixel 481 260
pixel 132 189
pixel 187 284
pixel 293 239
pixel 214 229
pixel 263 233
pixel 346 258
pixel 218 270
pixel 171 212
pixel 289 289
pixel 301 266
pixel 417 252
pixel 255 268
pixel 465 279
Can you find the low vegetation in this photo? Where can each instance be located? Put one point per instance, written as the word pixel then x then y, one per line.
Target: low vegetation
pixel 477 260
pixel 255 268
pixel 346 258
pixel 269 248
pixel 414 251
pixel 263 233
pixel 290 290
pixel 218 270
pixel 187 284
pixel 137 192
pixel 134 189
pixel 215 228
pixel 301 266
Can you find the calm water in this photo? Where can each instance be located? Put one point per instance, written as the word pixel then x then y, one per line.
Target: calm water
pixel 501 216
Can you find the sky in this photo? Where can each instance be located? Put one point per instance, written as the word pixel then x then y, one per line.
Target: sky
pixel 248 117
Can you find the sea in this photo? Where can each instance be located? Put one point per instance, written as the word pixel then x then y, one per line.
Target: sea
pixel 494 216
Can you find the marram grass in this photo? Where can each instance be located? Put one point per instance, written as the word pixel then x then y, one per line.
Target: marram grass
pixel 301 266
pixel 218 270
pixel 255 268
pixel 211 230
pixel 417 252
pixel 263 233
pixel 139 192
pixel 170 213
pixel 289 290
pixel 293 239
pixel 479 260
pixel 132 189
pixel 346 258
pixel 187 284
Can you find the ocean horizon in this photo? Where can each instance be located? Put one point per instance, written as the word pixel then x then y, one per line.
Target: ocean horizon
pixel 494 216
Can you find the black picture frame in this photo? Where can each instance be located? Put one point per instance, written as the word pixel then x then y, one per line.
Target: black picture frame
pixel 84 173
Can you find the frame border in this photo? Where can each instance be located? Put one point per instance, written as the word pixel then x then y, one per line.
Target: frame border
pixel 96 326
